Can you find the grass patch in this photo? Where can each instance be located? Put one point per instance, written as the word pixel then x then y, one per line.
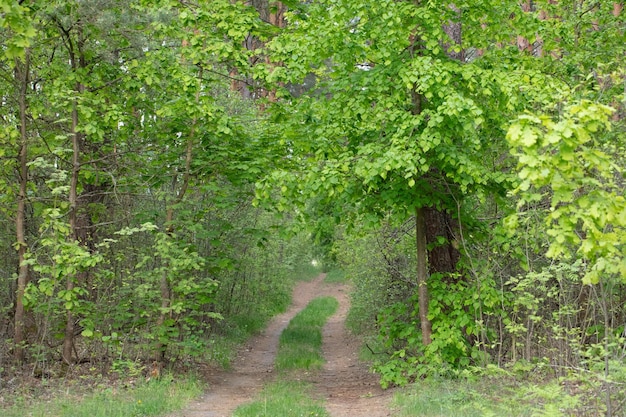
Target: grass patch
pixel 432 397
pixel 283 399
pixel 488 396
pixel 153 398
pixel 336 276
pixel 301 342
pixel 441 398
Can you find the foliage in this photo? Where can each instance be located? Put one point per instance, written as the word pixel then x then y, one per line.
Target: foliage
pixel 573 161
pixel 166 250
pixel 373 286
pixel 152 135
pixel 18 19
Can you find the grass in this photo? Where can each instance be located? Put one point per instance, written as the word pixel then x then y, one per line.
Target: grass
pixel 152 398
pixel 301 342
pixel 443 398
pixel 336 276
pixel 489 396
pixel 283 399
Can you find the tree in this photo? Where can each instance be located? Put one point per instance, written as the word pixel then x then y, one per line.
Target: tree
pixel 22 70
pixel 19 20
pixel 403 117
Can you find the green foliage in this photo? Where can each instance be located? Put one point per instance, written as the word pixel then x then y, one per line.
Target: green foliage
pixel 384 133
pixel 282 399
pixel 401 114
pixel 544 306
pixel 573 160
pixel 301 342
pixel 307 271
pixel 363 258
pixel 453 329
pixel 61 258
pixel 17 19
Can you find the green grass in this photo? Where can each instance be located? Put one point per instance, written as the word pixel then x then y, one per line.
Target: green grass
pixel 447 398
pixel 488 396
pixel 283 399
pixel 301 342
pixel 336 276
pixel 149 399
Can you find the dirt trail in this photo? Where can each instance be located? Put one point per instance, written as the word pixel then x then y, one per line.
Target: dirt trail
pixel 345 383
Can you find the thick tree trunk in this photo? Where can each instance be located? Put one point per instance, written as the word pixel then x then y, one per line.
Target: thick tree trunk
pixel 442 257
pixel 422 275
pixel 22 76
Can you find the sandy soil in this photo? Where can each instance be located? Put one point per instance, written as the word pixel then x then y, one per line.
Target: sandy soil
pixel 345 383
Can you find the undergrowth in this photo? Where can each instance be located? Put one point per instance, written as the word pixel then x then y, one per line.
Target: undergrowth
pixel 517 391
pixel 152 398
pixel 336 276
pixel 307 272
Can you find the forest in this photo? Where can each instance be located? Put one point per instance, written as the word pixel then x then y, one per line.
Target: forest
pixel 169 167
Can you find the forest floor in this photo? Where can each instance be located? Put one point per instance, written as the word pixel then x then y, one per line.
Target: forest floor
pixel 345 384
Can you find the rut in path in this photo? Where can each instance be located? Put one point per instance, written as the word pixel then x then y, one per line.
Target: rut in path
pixel 344 383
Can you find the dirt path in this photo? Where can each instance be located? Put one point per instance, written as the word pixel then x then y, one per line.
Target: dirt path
pixel 345 383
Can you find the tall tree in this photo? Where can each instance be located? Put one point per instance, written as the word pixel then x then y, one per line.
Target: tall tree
pixel 22 75
pixel 19 20
pixel 404 114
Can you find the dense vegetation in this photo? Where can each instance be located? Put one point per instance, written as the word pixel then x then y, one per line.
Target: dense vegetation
pixel 166 167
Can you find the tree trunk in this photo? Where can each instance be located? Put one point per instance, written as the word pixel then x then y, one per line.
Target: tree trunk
pixel 77 60
pixel 422 275
pixel 22 75
pixel 272 12
pixel 68 341
pixel 442 257
pixel 430 223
